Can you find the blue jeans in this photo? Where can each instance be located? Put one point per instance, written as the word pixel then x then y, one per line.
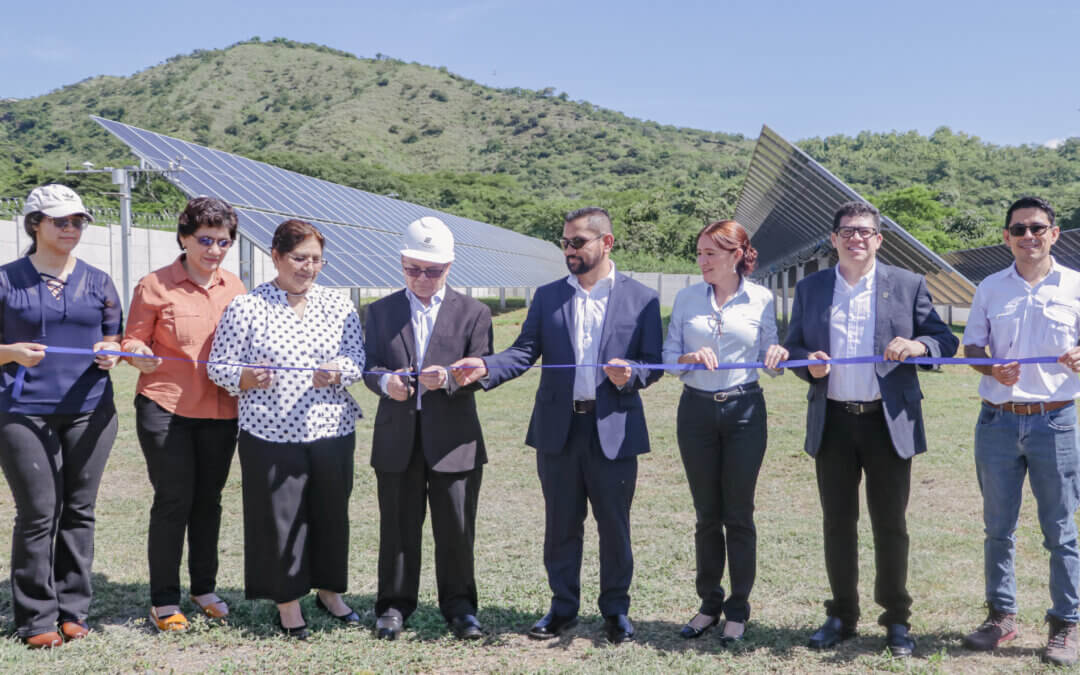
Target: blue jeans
pixel 1045 447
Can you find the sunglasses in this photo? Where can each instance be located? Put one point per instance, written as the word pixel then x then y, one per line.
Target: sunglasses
pixel 78 222
pixel 301 260
pixel 210 241
pixel 1019 229
pixel 577 243
pixel 849 232
pixel 429 272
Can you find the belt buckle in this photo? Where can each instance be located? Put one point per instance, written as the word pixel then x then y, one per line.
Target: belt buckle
pixel 853 408
pixel 720 396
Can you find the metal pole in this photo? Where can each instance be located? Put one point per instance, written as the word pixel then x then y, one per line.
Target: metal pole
pixel 502 297
pixel 120 177
pixel 784 296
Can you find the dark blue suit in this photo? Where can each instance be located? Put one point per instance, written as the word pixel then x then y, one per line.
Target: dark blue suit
pixel 586 456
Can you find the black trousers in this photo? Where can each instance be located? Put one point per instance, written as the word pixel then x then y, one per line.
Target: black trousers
pixel 854 445
pixel 296 515
pixel 54 464
pixel 579 476
pixel 722 446
pixel 453 498
pixel 188 463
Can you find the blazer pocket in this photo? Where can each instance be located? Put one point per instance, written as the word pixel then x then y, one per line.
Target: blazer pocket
pixel 913 395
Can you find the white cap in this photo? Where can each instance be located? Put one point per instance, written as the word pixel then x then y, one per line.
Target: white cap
pixel 430 240
pixel 55 201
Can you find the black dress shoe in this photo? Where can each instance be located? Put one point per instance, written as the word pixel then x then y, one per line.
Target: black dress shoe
pixel 897 640
pixel 552 625
pixel 388 626
pixel 618 629
pixel 688 632
pixel 466 627
pixel 831 633
pixel 298 633
pixel 350 619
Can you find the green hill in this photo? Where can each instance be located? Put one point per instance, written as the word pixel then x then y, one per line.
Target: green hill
pixel 513 157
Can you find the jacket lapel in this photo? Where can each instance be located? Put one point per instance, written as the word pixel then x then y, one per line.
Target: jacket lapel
pixel 442 327
pixel 605 333
pixel 882 300
pixel 822 310
pixel 406 335
pixel 568 315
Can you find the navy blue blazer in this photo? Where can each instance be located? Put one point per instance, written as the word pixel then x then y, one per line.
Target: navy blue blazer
pixel 632 331
pixel 903 309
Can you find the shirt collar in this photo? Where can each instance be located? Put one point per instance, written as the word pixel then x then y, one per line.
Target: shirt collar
pixel 607 281
pixel 868 279
pixel 180 273
pixel 416 305
pixel 1054 267
pixel 711 294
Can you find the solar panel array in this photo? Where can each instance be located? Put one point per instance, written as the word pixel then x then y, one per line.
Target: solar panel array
pixel 978 263
pixel 787 202
pixel 363 230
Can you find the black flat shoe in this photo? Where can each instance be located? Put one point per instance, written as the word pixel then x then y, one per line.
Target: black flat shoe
pixel 897 640
pixel 831 633
pixel 729 640
pixel 552 625
pixel 618 629
pixel 388 626
pixel 298 633
pixel 466 627
pixel 350 619
pixel 688 632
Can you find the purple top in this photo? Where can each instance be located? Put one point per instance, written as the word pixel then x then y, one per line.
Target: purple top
pixel 88 309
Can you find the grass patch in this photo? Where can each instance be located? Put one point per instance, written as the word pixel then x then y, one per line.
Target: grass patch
pixel 946 563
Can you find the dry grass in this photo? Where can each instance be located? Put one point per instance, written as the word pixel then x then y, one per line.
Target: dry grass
pixel 946 564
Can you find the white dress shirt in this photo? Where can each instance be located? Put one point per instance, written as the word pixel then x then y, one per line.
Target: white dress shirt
pixel 1017 320
pixel 261 328
pixel 423 322
pixel 589 309
pixel 851 333
pixel 740 331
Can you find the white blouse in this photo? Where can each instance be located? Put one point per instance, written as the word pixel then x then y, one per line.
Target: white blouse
pixel 260 328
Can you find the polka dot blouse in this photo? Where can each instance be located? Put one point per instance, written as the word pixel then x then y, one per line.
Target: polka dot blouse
pixel 261 328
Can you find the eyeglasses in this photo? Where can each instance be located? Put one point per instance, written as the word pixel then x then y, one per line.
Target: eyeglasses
pixel 78 222
pixel 1019 229
pixel 577 243
pixel 429 272
pixel 209 241
pixel 849 232
pixel 301 260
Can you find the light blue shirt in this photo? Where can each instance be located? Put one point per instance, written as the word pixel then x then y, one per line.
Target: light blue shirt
pixel 740 331
pixel 589 310
pixel 423 322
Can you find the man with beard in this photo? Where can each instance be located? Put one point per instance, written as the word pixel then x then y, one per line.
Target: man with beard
pixel 588 427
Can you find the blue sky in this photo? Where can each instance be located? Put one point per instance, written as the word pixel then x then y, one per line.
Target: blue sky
pixel 1004 71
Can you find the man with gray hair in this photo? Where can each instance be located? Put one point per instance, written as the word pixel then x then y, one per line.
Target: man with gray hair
pixel 427 439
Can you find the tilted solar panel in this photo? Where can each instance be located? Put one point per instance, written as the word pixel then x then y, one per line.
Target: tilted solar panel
pixel 363 230
pixel 786 204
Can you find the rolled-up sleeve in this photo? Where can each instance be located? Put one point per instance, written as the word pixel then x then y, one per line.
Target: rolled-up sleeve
pixel 351 357
pixel 232 340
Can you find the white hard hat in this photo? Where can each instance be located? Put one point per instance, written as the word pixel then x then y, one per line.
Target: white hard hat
pixel 55 201
pixel 430 240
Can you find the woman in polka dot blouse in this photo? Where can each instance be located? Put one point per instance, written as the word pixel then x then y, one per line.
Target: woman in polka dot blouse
pixel 297 439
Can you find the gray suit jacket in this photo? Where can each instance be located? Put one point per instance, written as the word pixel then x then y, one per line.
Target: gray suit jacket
pixel 903 309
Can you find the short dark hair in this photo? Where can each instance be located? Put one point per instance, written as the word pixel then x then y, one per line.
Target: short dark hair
pixel 1030 202
pixel 292 233
pixel 855 209
pixel 207 211
pixel 598 218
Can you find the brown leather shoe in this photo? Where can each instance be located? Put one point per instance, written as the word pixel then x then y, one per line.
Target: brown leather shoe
pixel 74 630
pixel 44 640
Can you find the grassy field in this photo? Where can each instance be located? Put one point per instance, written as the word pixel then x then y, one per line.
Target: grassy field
pixel 946 564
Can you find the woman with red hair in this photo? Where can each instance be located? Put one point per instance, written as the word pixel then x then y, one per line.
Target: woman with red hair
pixel 721 423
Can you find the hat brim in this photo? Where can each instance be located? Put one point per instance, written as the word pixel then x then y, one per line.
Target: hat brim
pixel 66 210
pixel 428 256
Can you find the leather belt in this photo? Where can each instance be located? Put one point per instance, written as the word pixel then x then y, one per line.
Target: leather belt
pixel 857 407
pixel 584 407
pixel 1028 408
pixel 725 394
